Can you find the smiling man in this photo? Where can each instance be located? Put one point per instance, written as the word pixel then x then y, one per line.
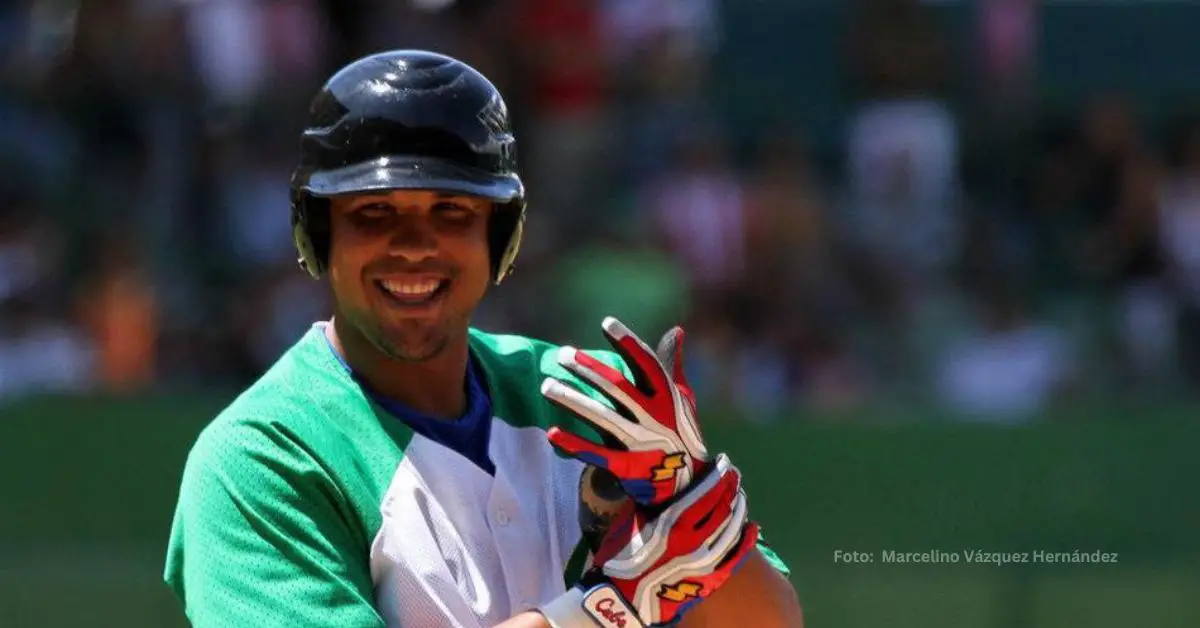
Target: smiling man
pixel 397 467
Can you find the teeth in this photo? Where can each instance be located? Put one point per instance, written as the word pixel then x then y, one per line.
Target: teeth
pixel 410 289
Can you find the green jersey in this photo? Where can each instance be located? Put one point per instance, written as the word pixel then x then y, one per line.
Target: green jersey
pixel 306 503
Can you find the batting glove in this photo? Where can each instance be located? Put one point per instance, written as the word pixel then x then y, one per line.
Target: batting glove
pixel 653 442
pixel 650 570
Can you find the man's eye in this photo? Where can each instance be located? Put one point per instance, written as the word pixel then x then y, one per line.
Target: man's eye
pixel 452 211
pixel 373 211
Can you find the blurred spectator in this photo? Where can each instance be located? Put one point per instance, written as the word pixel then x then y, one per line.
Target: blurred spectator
pixel 347 28
pixel 119 310
pixel 827 373
pixel 896 50
pixel 1119 249
pixel 901 216
pixel 1116 168
pixel 101 91
pixel 1008 35
pixel 1010 366
pixel 690 28
pixel 794 274
pixel 1053 217
pixel 827 274
pixel 243 48
pixel 903 209
pixel 1147 334
pixel 1179 231
pixel 620 275
pixel 568 132
pixel 31 248
pixel 661 101
pixel 254 192
pixel 697 211
pixel 35 146
pixel 41 351
pixel 903 228
pixel 762 383
pixel 790 243
pixel 711 350
pixel 270 309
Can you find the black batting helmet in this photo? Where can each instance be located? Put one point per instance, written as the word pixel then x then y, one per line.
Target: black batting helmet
pixel 407 119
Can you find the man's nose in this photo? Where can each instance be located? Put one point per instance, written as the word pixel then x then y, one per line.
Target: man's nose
pixel 413 240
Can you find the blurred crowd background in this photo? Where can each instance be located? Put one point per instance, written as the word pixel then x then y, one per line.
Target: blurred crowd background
pixel 847 203
pixel 939 211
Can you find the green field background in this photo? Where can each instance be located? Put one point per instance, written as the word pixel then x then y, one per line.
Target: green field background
pixel 89 485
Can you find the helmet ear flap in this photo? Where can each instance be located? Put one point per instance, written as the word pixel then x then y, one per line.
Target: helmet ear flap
pixel 508 228
pixel 308 259
pixel 310 233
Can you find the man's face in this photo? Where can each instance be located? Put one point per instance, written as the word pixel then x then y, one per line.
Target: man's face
pixel 408 267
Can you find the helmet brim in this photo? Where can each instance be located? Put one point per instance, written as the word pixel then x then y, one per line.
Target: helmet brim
pixel 414 173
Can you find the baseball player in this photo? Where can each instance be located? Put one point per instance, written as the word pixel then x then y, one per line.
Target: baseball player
pixel 397 467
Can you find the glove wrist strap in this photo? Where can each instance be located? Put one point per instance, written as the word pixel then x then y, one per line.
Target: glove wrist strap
pixel 601 605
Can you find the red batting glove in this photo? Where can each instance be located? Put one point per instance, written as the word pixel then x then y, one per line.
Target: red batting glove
pixel 651 570
pixel 658 449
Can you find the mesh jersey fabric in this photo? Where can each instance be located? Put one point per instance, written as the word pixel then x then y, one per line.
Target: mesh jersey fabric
pixel 305 503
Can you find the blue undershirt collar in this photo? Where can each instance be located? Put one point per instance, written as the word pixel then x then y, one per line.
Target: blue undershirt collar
pixel 469 435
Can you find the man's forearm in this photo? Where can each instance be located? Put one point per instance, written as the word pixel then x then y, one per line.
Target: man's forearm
pixel 756 595
pixel 531 619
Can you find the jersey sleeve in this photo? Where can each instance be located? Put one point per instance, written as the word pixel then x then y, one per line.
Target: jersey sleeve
pixel 772 557
pixel 262 537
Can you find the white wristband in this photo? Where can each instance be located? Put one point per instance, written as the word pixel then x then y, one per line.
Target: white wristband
pixel 600 606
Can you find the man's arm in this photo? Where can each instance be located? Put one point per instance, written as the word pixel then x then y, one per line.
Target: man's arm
pixel 260 537
pixel 531 619
pixel 757 595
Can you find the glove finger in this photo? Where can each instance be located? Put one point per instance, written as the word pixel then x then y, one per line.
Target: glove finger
pixel 581 448
pixel 649 375
pixel 644 475
pixel 697 569
pixel 670 353
pixel 708 513
pixel 705 486
pixel 661 412
pixel 719 548
pixel 675 529
pixel 723 537
pixel 622 393
pixel 659 529
pixel 744 544
pixel 605 420
pixel 747 542
pixel 656 534
pixel 609 381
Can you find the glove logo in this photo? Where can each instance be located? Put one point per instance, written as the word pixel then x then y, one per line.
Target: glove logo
pixel 605 608
pixel 609 610
pixel 670 465
pixel 680 592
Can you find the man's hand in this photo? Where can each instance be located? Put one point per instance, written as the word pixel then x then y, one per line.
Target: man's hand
pixel 650 570
pixel 652 441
